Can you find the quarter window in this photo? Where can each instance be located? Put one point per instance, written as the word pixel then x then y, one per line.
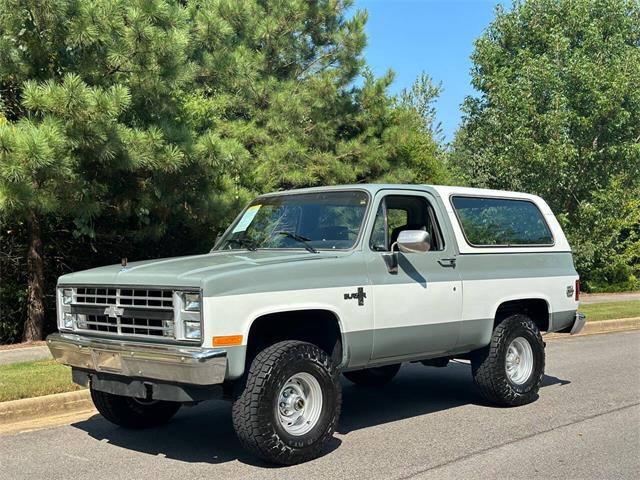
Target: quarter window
pixel 501 222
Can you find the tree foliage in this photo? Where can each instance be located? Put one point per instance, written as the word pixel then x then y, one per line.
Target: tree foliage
pixel 558 114
pixel 138 127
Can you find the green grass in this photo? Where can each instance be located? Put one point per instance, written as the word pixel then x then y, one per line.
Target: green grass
pixel 34 379
pixel 611 310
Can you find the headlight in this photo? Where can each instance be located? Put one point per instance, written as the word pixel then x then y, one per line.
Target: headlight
pixel 67 320
pixel 67 296
pixel 191 302
pixel 192 330
pixel 189 324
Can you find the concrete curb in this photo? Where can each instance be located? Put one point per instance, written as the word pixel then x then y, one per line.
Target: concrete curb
pixel 603 326
pixel 39 407
pixel 606 326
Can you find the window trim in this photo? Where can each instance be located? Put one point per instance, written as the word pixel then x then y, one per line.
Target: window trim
pixel 431 212
pixel 496 245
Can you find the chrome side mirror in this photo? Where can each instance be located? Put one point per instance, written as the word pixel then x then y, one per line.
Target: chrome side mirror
pixel 409 241
pixel 413 241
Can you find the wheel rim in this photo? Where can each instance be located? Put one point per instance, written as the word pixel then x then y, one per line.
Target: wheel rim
pixel 299 404
pixel 519 361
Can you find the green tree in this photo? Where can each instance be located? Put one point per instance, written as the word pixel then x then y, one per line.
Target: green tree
pixel 559 115
pixel 138 127
pixel 277 101
pixel 89 118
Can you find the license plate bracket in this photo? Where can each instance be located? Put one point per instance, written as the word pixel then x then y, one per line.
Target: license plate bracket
pixel 107 361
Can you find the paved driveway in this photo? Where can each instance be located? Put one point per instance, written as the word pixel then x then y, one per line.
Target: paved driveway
pixel 428 423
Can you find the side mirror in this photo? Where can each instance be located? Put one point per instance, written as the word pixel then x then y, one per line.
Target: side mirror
pixel 413 241
pixel 409 241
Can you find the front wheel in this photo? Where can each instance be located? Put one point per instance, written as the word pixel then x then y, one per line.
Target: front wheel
pixel 509 370
pixel 289 406
pixel 133 413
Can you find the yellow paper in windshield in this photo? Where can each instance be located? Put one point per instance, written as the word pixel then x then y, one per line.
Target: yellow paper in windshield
pixel 246 219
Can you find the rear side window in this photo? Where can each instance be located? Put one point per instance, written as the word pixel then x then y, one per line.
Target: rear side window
pixel 501 222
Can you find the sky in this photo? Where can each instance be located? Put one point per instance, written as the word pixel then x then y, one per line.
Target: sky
pixel 434 36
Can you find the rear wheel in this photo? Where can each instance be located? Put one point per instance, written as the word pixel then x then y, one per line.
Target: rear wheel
pixel 509 370
pixel 133 413
pixel 289 405
pixel 373 377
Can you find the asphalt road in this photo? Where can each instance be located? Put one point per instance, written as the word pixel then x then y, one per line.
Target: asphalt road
pixel 428 423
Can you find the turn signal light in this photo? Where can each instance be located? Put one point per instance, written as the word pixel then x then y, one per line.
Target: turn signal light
pixel 228 341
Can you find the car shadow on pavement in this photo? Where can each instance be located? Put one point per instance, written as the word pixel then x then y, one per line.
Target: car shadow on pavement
pixel 205 434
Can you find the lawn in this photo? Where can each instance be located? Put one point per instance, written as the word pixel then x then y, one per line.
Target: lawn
pixel 33 379
pixel 611 310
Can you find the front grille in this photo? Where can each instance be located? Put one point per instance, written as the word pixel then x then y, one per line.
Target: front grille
pixel 130 325
pixel 135 297
pixel 124 311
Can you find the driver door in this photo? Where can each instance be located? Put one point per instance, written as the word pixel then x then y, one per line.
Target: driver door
pixel 417 310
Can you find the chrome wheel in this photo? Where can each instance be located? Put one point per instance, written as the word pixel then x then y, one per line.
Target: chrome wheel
pixel 519 361
pixel 299 404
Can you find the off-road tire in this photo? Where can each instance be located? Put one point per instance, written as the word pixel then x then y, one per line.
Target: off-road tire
pixel 128 412
pixel 488 363
pixel 254 411
pixel 373 377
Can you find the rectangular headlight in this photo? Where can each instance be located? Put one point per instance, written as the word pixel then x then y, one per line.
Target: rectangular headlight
pixel 192 330
pixel 67 296
pixel 67 320
pixel 191 302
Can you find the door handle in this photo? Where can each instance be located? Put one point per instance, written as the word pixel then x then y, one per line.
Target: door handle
pixel 447 262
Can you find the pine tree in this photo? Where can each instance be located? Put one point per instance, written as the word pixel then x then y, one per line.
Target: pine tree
pixel 142 126
pixel 88 116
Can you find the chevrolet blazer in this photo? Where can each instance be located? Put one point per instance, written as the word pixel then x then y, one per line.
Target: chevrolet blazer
pixel 309 284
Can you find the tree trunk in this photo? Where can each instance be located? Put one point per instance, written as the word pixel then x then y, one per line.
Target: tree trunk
pixel 34 324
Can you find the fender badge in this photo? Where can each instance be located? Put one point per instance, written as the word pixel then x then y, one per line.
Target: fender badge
pixel 360 295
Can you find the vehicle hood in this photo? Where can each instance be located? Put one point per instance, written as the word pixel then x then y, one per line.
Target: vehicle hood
pixel 193 271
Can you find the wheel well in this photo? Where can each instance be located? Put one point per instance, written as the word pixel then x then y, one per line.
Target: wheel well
pixel 536 308
pixel 319 327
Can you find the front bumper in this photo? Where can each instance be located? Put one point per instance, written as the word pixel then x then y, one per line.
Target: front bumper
pixel 578 323
pixel 169 363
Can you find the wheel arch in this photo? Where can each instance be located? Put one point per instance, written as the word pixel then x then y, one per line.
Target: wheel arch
pixel 537 308
pixel 319 325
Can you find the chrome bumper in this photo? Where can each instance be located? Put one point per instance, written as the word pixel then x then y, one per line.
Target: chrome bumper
pixel 170 363
pixel 578 323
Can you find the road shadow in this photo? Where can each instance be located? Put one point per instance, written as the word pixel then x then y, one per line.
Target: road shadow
pixel 204 433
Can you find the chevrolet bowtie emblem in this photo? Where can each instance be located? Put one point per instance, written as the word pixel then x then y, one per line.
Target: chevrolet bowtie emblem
pixel 113 311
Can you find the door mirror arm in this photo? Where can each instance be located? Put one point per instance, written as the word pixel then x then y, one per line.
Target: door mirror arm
pixel 391 259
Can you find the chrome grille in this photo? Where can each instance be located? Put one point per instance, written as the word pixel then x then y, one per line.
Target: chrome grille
pixel 124 311
pixel 135 297
pixel 130 325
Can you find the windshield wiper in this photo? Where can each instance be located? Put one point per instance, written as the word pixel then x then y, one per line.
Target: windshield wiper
pixel 299 238
pixel 244 242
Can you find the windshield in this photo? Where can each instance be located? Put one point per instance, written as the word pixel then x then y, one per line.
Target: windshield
pixel 311 221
